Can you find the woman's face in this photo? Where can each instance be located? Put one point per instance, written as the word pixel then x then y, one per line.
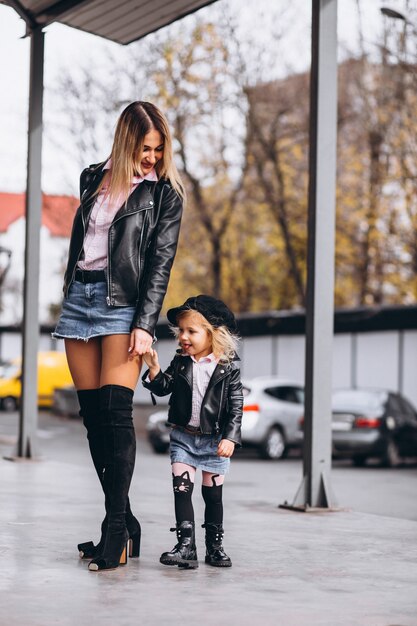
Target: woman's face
pixel 153 151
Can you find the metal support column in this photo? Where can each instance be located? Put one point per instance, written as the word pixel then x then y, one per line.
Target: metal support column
pixel 314 491
pixel 30 333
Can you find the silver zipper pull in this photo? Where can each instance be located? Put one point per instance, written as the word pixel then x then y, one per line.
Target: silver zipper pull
pixel 108 301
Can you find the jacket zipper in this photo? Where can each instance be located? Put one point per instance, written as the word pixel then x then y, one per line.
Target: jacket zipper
pixel 217 424
pixel 109 299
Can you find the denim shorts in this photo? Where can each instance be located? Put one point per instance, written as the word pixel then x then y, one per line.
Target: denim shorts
pixel 199 451
pixel 85 314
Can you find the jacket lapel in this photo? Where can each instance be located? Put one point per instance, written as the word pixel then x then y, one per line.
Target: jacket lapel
pixel 140 199
pixel 185 370
pixel 221 371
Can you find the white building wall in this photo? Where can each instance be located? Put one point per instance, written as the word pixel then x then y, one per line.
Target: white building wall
pixel 408 380
pixel 377 359
pixel 53 252
pixel 290 357
pixel 342 361
pixel 256 356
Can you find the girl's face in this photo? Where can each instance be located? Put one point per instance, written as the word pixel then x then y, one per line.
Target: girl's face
pixel 153 151
pixel 194 339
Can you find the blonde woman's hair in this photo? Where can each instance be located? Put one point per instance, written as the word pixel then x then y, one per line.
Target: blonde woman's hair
pixel 224 343
pixel 137 119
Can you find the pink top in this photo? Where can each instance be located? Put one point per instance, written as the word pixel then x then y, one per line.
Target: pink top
pixel 94 255
pixel 202 372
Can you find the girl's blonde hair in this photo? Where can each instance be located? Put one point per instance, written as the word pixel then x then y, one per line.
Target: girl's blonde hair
pixel 224 343
pixel 137 119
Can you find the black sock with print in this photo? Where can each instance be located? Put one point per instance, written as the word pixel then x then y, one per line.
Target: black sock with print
pixel 213 497
pixel 183 491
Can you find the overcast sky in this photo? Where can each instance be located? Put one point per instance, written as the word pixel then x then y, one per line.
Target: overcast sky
pixel 65 47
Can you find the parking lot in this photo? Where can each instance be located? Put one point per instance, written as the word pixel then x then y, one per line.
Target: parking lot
pixel 357 567
pixel 372 489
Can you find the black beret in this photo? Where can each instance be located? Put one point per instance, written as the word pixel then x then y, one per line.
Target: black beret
pixel 215 311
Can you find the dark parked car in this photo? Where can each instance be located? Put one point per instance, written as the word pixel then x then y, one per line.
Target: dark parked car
pixel 271 413
pixel 373 423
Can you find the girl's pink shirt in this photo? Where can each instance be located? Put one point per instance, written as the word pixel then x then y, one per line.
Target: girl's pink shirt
pixel 94 256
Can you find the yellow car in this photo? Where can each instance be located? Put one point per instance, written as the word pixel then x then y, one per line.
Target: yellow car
pixel 53 372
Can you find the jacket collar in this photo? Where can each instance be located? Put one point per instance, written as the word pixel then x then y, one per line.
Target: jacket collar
pixel 140 198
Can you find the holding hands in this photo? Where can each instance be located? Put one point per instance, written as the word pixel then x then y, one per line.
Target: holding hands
pixel 140 342
pixel 151 359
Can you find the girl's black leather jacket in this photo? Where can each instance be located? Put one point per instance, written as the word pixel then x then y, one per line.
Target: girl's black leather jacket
pixel 221 409
pixel 142 243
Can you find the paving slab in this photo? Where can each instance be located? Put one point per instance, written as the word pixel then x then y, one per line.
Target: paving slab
pixel 289 569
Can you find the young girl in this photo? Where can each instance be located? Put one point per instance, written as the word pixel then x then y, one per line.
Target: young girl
pixel 122 247
pixel 205 412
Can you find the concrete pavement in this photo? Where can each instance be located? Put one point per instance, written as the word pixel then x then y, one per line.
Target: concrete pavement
pixel 289 569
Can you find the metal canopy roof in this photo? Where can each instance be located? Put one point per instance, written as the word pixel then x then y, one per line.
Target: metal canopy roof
pixel 122 22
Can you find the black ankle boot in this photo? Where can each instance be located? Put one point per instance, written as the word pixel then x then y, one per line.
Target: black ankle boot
pixel 184 553
pixel 215 554
pixel 118 436
pixel 89 411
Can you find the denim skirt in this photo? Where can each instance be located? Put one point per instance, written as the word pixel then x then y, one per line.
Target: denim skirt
pixel 85 314
pixel 199 451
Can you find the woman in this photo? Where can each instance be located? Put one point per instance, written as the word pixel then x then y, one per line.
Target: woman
pixel 122 247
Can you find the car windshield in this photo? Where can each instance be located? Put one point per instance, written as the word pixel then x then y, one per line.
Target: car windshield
pixel 9 370
pixel 246 391
pixel 354 399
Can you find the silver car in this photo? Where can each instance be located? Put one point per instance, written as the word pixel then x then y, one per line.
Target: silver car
pixel 273 407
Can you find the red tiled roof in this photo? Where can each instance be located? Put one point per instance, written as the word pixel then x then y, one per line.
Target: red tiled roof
pixel 57 212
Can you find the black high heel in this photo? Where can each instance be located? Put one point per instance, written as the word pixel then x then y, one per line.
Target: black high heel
pixel 115 552
pixel 89 550
pixel 134 545
pixel 119 461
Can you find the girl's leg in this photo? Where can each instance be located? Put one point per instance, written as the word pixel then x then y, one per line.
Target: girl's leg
pixel 118 378
pixel 212 490
pixel 184 553
pixel 183 477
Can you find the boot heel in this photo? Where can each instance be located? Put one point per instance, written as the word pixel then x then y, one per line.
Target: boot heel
pixel 123 558
pixel 134 546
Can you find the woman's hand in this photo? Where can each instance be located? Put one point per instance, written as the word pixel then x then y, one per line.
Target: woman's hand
pixel 151 360
pixel 140 342
pixel 225 448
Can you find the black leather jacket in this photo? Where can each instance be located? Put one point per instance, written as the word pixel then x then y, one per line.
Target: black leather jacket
pixel 221 410
pixel 142 243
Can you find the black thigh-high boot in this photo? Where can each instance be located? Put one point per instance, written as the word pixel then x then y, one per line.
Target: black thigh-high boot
pixel 119 443
pixel 89 411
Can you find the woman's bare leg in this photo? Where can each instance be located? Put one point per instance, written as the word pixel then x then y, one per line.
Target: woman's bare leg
pixel 84 362
pixel 117 367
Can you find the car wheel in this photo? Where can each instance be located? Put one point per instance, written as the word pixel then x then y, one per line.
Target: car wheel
pixel 359 461
pixel 160 448
pixel 9 404
pixel 273 446
pixel 392 456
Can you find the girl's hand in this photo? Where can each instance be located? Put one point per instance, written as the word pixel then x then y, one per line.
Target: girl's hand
pixel 140 342
pixel 151 360
pixel 225 448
